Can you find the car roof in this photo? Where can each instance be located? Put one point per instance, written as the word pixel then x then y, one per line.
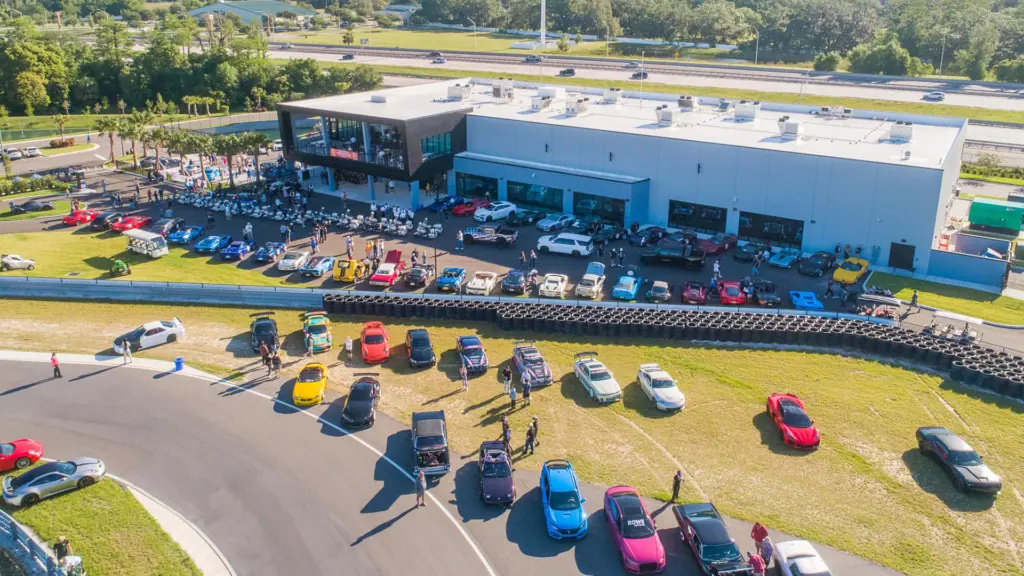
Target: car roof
pixel 711 531
pixel 470 340
pixel 661 284
pixel 629 503
pixel 952 441
pixel 431 427
pixel 561 478
pixel 571 236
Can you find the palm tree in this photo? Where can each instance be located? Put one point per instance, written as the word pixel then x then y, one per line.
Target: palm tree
pixel 229 145
pixel 59 120
pixel 176 142
pixel 107 125
pixel 189 102
pixel 156 136
pixel 129 128
pixel 258 93
pixel 201 144
pixel 206 101
pixel 255 141
pixel 143 119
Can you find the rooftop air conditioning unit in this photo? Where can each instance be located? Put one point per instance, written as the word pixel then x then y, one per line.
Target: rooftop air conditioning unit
pixel 790 129
pixel 379 99
pixel 688 103
pixel 502 89
pixel 551 91
pixel 538 103
pixel 612 95
pixel 577 106
pixel 458 92
pixel 725 105
pixel 901 131
pixel 747 110
pixel 835 112
pixel 668 116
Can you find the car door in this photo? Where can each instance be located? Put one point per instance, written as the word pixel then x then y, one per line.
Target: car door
pixel 150 338
pixel 645 384
pixel 611 514
pixel 47 484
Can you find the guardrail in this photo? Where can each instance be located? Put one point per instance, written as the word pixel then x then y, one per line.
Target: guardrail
pixel 29 554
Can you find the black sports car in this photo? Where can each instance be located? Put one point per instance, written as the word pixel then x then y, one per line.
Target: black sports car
pixel 679 255
pixel 31 206
pixel 104 220
pixel 419 275
pixel 609 232
pixel 681 237
pixel 765 294
pixel 959 460
pixel 165 226
pixel 514 282
pixel 817 264
pixel 649 235
pixel 264 329
pixel 361 405
pixel 523 217
pixel 747 252
pixel 421 350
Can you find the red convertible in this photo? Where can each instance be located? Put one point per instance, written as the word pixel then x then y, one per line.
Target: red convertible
pixel 790 417
pixel 468 208
pixel 79 217
pixel 718 243
pixel 131 223
pixel 19 454
pixel 390 271
pixel 730 292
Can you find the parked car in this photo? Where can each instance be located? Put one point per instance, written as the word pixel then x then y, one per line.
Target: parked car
pixel 785 258
pixel 660 388
pixel 648 235
pixel 237 250
pixel 686 256
pixel 718 243
pixel 442 202
pixel 704 532
pixel 495 211
pixel 13 153
pixel 592 283
pixel 790 417
pixel 678 239
pixel 360 410
pixel 564 243
pixel 695 293
pixel 310 385
pixel 263 330
pixel 316 329
pixel 390 270
pixel 660 292
pixel 748 251
pixel 490 235
pixel 18 454
pixel 292 261
pixel 166 226
pixel 430 443
pixel 523 217
pixel 609 232
pixel 562 501
pixel 15 262
pixel 802 300
pixel 628 285
pixel 553 286
pixel 797 558
pixel 731 293
pixel 131 223
pixel 527 359
pixel 151 334
pixel 481 283
pixel 349 271
pixel 374 344
pixel 32 152
pixel 469 207
pixel 596 379
pixel 420 348
pixel 633 531
pixel 961 462
pixel 817 264
pixel 318 266
pixel 269 252
pixel 472 354
pixel 212 244
pixel 515 282
pixel 553 222
pixel 51 479
pixel 765 294
pixel 451 280
pixel 104 220
pixel 418 276
pixel 79 217
pixel 185 235
pixel 497 480
pixel 851 271
pixel 31 206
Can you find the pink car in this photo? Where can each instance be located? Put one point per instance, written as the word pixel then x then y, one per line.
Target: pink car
pixel 634 531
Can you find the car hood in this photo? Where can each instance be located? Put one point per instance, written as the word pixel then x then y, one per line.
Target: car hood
pixel 809 266
pixel 980 473
pixel 804 435
pixel 319 338
pixel 670 396
pixel 445 280
pixel 539 370
pixel 28 445
pixel 708 245
pixel 478 360
pixel 610 386
pixel 566 519
pixel 358 411
pixel 307 389
pixel 497 486
pixel 421 354
pixel 643 550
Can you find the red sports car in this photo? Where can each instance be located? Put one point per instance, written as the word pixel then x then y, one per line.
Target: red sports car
pixel 468 208
pixel 19 454
pixel 633 531
pixel 730 292
pixel 375 345
pixel 390 271
pixel 695 293
pixel 795 426
pixel 718 243
pixel 79 217
pixel 131 223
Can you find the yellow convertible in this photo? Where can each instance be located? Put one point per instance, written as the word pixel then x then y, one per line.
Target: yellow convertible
pixel 851 271
pixel 350 270
pixel 311 385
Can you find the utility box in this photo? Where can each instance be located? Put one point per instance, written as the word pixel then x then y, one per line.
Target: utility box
pixel 996 214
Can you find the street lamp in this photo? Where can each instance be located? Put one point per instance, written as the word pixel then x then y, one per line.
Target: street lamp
pixel 473 22
pixel 757 43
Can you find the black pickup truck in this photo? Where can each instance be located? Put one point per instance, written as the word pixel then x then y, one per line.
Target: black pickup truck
pixel 430 443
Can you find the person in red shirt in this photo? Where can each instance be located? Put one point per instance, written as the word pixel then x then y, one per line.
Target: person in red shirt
pixel 756 563
pixel 758 533
pixel 56 365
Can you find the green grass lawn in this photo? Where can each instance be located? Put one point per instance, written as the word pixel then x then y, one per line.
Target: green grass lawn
pixel 110 530
pixel 65 150
pixel 984 305
pixel 60 208
pixel 27 195
pixel 993 179
pixel 866 490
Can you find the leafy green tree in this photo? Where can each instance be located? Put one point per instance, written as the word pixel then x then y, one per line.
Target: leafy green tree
pixel 109 126
pixel 31 91
pixel 131 128
pixel 974 60
pixel 827 61
pixel 229 145
pixel 254 142
pixel 563 43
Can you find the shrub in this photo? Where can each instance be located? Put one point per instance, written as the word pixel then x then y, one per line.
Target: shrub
pixel 827 61
pixel 58 143
pixel 8 187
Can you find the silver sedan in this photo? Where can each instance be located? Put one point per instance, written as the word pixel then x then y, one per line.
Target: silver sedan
pixel 51 479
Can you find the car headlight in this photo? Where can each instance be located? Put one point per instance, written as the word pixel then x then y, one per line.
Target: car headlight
pixel 790 435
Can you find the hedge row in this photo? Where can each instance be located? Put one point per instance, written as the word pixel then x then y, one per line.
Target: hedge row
pixel 996 171
pixel 30 185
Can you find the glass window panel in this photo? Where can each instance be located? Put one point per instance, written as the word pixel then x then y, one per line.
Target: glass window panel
pixel 534 196
pixel 599 208
pixel 473 186
pixel 698 217
pixel 776 230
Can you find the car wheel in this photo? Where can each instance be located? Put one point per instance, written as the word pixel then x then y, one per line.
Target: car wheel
pixel 86 482
pixel 922 447
pixel 5 267
pixel 958 483
pixel 489 218
pixel 545 249
pixel 30 499
pixel 172 338
pixel 22 463
pixel 31 266
pixel 575 252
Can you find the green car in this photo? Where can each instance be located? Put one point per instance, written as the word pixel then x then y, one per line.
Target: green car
pixel 317 328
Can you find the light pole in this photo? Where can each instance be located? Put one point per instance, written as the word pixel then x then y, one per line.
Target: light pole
pixel 607 34
pixel 942 55
pixel 643 72
pixel 473 22
pixel 757 43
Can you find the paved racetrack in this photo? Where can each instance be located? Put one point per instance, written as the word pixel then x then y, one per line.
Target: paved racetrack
pixel 283 493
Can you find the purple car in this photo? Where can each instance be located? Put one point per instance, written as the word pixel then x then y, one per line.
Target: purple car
pixel 497 480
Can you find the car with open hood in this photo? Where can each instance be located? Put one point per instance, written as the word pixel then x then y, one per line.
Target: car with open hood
pixel 789 415
pixel 316 326
pixel 310 385
pixel 237 250
pixel 18 454
pixel 472 354
pixel 592 283
pixel 596 378
pixel 185 235
pixel 293 260
pixel 785 258
pixel 527 359
pixel 151 334
pixel 562 501
pixel 212 244
pixel 481 283
pixel 270 252
pixel 167 226
pixel 360 410
pixel 263 330
pixel 553 286
pixel 497 476
pixel 703 530
pixel 51 479
pixel 633 531
pixel 749 251
pixel 958 459
pixel 374 343
pixel 318 266
pixel 419 348
pixel 349 271
pixel 419 276
pixel 816 264
pixel 451 280
pixel 660 388
pixel 389 271
pixel 430 443
pixel 765 294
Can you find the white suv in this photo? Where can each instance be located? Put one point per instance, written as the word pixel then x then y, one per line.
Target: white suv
pixel 566 243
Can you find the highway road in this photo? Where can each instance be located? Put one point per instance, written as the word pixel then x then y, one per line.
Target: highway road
pixel 284 492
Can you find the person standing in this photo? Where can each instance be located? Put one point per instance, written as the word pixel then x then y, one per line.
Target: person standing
pixel 677 483
pixel 506 437
pixel 506 377
pixel 533 259
pixel 766 255
pixel 526 392
pixel 528 446
pixel 756 563
pixel 56 365
pixel 718 269
pixel 458 241
pixel 753 267
pixel 536 431
pixel 348 349
pixel 369 248
pixel 309 345
pixel 287 234
pixel 276 361
pixel 421 489
pixel 522 259
pixel 126 355
pixel 464 375
pixel 512 397
pixel 314 246
pixel 913 301
pixel 830 291
pixel 265 353
pixel 525 379
pixel 622 257
pixel 600 250
pixel 758 533
pixel 766 551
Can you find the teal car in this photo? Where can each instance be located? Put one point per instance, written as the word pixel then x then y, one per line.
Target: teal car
pixel 317 329
pixel 628 285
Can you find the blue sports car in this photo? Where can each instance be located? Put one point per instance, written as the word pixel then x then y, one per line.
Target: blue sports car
pixel 185 235
pixel 562 501
pixel 270 251
pixel 318 266
pixel 212 244
pixel 471 352
pixel 785 258
pixel 628 285
pixel 449 201
pixel 237 250
pixel 451 280
pixel 805 300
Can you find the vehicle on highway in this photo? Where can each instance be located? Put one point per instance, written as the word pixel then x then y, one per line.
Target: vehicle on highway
pixel 360 409
pixel 527 359
pixel 166 226
pixel 566 72
pixel 51 479
pixel 185 235
pixel 286 46
pixel 348 57
pixel 481 283
pixel 79 217
pixel 850 271
pixel 495 211
pixel 499 235
pixel 748 251
pixel 633 65
pixel 685 256
pixel 516 282
pixel 695 293
pixel 419 348
pixel 318 266
pixel 718 243
pixel 389 271
pixel 553 286
pixel 151 334
pixel 596 379
pixel 799 558
pixel 660 388
pixel 131 223
pixel 310 385
pixel 18 454
pixel 293 260
pixel 419 276
pixel 15 262
pixel 263 330
pixel 552 222
pixel 374 344
pixel 816 264
pixel 104 220
pixel 785 258
pixel 731 293
pixel 592 283
pixel 212 244
pixel 269 252
pixel 430 443
pixel 565 243
pixel 237 250
pixel 533 59
pixel 497 479
pixel 523 217
pixel 468 207
pixel 960 461
pixel 13 153
pixel 316 328
pixel 639 75
pixel 440 61
pixel 704 532
pixel 789 415
pixel 802 300
pixel 633 531
pixel 660 291
pixel 628 285
pixel 349 271
pixel 451 280
pixel 562 501
pixel 935 96
pixel 32 152
pixel 648 235
pixel 31 206
pixel 472 354
pixel 765 294
pixel 434 54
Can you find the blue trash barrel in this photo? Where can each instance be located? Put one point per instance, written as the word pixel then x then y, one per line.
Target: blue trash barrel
pixel 179 364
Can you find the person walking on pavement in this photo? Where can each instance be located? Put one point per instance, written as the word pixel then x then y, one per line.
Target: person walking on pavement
pixel 753 267
pixel 766 551
pixel 464 375
pixel 611 258
pixel 504 426
pixel 56 365
pixel 767 255
pixel 528 446
pixel 126 356
pixel 533 259
pixel 677 483
pixel 522 259
pixel 369 248
pixel 314 246
pixel 830 291
pixel 526 392
pixel 913 301
pixel 600 251
pixel 421 489
pixel 506 377
pixel 758 533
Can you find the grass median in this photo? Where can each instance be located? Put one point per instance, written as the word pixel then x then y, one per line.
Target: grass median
pixel 866 490
pixel 976 303
pixel 110 530
pixel 65 150
pixel 60 208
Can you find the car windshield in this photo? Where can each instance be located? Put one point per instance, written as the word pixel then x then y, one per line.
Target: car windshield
pixel 732 291
pixel 719 552
pixel 450 274
pixel 360 394
pixel 766 288
pixel 420 342
pixel 135 335
pixel 310 375
pixel 564 501
pixel 6 449
pixel 600 375
pixel 497 469
pixel 659 289
pixel 263 328
pixel 626 283
pixel 373 339
pixel 586 282
pixel 816 260
pixel 851 266
pixel 427 441
pixel 794 416
pixel 637 527
pixel 318 329
pixel 417 272
pixel 662 383
pixel 964 458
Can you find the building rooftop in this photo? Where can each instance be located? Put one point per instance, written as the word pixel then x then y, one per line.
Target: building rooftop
pixel 271 7
pixel 904 139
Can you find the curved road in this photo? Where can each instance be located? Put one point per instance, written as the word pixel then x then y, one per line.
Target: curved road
pixel 281 492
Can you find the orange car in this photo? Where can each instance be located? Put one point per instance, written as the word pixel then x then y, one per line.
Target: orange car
pixel 375 345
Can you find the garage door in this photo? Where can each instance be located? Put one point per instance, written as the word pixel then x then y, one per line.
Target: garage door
pixel 901 256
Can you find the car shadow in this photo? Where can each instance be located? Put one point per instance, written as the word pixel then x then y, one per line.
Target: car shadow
pixel 597 554
pixel 467 498
pixel 633 398
pixel 284 398
pixel 932 478
pixel 393 483
pixel 772 438
pixel 525 527
pixel 572 389
pixel 449 362
pixel 330 418
pixel 240 345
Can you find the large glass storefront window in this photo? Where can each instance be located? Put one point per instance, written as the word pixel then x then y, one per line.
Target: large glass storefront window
pixel 593 207
pixel 386 146
pixel 473 186
pixel 308 137
pixel 436 145
pixel 534 196
pixel 697 217
pixel 778 231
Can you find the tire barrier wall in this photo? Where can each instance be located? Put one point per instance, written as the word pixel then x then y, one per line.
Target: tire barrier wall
pixel 969 364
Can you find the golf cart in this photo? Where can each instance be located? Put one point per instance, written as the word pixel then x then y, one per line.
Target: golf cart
pixel 119 268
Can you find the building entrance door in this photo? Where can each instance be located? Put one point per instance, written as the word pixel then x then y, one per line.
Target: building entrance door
pixel 901 256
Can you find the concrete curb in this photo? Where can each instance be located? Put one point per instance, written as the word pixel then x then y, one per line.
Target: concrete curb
pixel 934 309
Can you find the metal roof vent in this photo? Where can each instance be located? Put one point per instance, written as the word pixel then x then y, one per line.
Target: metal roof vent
pixel 379 99
pixel 538 103
pixel 901 132
pixel 835 112
pixel 667 116
pixel 747 110
pixel 688 103
pixel 612 95
pixel 577 106
pixel 790 129
pixel 502 89
pixel 458 92
pixel 551 91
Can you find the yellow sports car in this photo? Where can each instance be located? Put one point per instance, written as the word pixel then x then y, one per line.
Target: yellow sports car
pixel 311 385
pixel 851 271
pixel 350 270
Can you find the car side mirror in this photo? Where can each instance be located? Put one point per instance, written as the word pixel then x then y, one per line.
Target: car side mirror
pixel 582 500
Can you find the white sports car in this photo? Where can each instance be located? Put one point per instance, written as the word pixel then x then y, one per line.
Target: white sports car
pixel 660 388
pixel 496 211
pixel 151 334
pixel 481 283
pixel 292 261
pixel 15 262
pixel 553 285
pixel 597 380
pixel 798 557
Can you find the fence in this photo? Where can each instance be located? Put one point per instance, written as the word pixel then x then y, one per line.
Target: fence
pixel 210 122
pixel 27 552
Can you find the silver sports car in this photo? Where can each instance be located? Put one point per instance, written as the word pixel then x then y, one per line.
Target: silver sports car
pixel 50 479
